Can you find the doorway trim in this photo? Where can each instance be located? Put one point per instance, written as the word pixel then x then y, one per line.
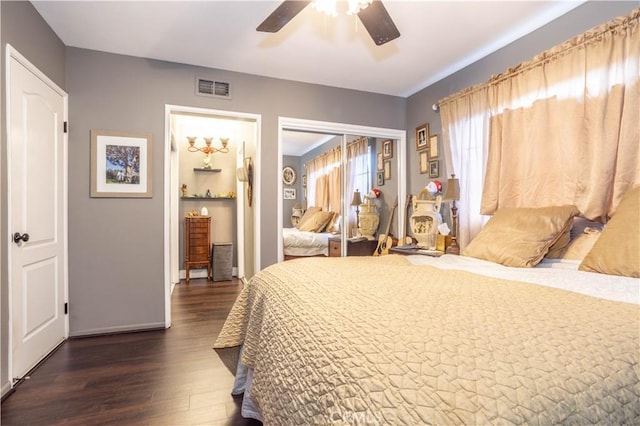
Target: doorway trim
pixel 343 129
pixel 168 194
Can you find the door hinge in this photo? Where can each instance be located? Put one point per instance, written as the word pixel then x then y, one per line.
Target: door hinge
pixel 66 308
pixel 66 127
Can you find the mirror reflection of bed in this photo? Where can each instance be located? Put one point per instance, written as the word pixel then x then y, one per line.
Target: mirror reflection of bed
pixel 313 204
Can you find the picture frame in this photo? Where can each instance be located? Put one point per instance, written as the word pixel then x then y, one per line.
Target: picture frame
pixel 387 170
pixel 379 162
pixel 289 193
pixel 288 175
pixel 380 178
pixel 424 162
pixel 387 149
pixel 433 147
pixel 304 180
pixel 422 137
pixel 121 164
pixel 434 168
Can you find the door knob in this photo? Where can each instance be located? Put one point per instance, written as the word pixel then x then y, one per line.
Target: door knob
pixel 17 237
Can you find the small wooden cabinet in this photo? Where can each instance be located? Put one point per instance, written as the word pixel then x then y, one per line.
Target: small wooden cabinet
pixel 355 247
pixel 197 244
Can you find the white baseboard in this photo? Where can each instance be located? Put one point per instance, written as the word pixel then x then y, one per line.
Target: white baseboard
pixel 118 329
pixel 202 273
pixel 6 388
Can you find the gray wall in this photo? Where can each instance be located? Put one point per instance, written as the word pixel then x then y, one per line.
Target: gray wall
pixel 565 27
pixel 45 50
pixel 116 245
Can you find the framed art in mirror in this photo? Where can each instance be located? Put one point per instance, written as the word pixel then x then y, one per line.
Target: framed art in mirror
pixel 422 137
pixel 288 175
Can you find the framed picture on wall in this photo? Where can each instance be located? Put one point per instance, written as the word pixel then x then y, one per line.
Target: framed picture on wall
pixel 422 137
pixel 380 162
pixel 121 165
pixel 387 170
pixel 434 168
pixel 424 162
pixel 380 178
pixel 289 193
pixel 387 149
pixel 433 147
pixel 288 175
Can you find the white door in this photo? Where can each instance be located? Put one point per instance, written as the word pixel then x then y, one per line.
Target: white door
pixel 37 215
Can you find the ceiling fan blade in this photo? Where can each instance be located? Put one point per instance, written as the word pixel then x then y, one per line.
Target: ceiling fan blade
pixel 287 10
pixel 378 23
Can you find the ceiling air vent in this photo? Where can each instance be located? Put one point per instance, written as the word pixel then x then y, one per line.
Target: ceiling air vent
pixel 213 88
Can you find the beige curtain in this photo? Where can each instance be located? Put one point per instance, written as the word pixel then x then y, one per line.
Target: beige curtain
pixel 323 175
pixel 560 129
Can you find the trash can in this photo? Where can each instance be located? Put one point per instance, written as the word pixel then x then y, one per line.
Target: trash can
pixel 221 259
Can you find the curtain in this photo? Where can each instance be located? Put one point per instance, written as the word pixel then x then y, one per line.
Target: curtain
pixel 562 128
pixel 358 173
pixel 323 181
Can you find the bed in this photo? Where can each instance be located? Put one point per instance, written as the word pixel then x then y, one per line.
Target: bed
pixel 299 243
pixel 310 236
pixel 448 340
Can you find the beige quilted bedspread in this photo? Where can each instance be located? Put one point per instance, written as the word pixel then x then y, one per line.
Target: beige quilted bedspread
pixel 379 341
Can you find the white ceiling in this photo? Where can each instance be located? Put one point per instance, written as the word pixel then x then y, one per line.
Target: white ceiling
pixel 437 37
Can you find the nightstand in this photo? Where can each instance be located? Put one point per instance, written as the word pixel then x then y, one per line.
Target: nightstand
pixel 355 247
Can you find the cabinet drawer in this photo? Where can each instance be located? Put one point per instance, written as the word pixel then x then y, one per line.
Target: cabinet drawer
pixel 334 248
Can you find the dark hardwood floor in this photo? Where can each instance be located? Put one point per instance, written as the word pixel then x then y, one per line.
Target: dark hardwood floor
pixel 163 377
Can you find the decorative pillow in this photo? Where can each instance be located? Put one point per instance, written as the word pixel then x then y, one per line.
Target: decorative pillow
pixel 617 251
pixel 521 236
pixel 331 224
pixel 317 222
pixel 308 215
pixel 580 246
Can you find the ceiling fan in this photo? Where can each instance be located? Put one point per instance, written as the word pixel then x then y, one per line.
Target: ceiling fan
pixel 375 19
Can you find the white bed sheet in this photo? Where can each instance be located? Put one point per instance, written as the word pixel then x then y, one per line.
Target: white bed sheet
pixel 562 274
pixel 303 243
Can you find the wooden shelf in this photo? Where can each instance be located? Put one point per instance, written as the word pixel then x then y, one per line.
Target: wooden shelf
pixel 202 169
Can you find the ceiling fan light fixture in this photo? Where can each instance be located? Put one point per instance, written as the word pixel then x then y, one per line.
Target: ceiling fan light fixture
pixel 355 6
pixel 329 7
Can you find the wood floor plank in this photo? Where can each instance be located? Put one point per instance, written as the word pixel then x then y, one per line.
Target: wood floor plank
pixel 158 377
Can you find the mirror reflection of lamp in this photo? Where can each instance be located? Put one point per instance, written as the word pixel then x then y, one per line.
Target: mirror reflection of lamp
pixel 453 194
pixel 356 201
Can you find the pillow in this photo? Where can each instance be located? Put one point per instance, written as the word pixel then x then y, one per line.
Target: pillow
pixel 308 215
pixel 317 222
pixel 580 246
pixel 521 236
pixel 617 250
pixel 332 222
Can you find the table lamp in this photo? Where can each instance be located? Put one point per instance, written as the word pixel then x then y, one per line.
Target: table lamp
pixel 356 202
pixel 453 194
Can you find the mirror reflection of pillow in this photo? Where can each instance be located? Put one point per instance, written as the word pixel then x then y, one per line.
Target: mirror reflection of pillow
pixel 317 222
pixel 308 215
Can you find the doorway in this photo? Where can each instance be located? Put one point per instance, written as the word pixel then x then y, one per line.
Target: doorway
pixel 222 192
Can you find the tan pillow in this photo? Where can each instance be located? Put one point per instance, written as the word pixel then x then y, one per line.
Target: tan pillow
pixel 317 222
pixel 308 215
pixel 521 236
pixel 331 223
pixel 617 251
pixel 557 249
pixel 579 247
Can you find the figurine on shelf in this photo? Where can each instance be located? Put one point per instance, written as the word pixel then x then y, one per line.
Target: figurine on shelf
pixel 184 189
pixel 208 194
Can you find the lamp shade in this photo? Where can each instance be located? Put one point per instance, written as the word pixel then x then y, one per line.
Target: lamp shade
pixel 453 189
pixel 356 199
